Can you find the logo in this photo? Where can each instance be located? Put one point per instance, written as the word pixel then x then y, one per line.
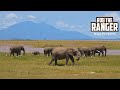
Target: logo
pixel 104 24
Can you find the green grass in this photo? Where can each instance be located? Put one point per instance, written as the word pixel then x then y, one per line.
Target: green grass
pixel 36 67
pixel 64 43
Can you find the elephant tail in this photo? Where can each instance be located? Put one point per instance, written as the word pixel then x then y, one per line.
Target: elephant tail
pixel 105 51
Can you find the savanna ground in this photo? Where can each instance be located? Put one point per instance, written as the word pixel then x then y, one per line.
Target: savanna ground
pixel 36 67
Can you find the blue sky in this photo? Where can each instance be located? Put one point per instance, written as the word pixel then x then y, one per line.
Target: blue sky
pixel 64 20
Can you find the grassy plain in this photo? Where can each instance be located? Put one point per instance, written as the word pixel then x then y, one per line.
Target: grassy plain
pixel 36 67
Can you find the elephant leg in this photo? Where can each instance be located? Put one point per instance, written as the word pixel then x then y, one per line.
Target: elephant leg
pixel 56 62
pixel 45 54
pixel 72 59
pixel 51 53
pixel 99 54
pixel 86 54
pixel 94 53
pixel 53 58
pixel 17 54
pixel 89 53
pixel 48 54
pixel 67 58
pixel 102 53
pixel 50 62
pixel 105 53
pixel 81 53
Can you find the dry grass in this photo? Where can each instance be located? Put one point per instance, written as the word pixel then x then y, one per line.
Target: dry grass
pixel 64 43
pixel 36 67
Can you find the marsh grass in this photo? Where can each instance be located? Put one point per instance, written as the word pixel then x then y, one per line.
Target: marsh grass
pixel 36 67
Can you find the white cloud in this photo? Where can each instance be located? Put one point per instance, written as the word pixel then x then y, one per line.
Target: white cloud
pixel 64 25
pixel 114 14
pixel 31 17
pixel 8 20
pixel 11 16
pixel 61 24
pixel 11 19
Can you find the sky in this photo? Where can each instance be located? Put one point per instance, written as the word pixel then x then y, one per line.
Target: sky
pixel 65 20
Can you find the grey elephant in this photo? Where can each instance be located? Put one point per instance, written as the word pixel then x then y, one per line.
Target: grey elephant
pixel 100 49
pixel 17 50
pixel 85 51
pixel 35 53
pixel 48 51
pixel 60 53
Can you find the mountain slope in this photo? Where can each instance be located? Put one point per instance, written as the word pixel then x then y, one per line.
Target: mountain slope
pixel 39 31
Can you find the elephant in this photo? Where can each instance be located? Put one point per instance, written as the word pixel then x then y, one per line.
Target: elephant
pixel 17 50
pixel 99 49
pixel 48 51
pixel 85 51
pixel 59 53
pixel 35 53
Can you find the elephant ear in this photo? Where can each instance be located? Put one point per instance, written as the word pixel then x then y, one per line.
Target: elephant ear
pixel 70 52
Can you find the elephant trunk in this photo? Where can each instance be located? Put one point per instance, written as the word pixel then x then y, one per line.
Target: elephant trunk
pixel 78 56
pixel 23 51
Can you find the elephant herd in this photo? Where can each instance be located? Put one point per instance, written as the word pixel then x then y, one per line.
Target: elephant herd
pixel 17 50
pixel 86 51
pixel 59 53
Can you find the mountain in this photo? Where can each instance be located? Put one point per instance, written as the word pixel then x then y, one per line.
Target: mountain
pixel 39 31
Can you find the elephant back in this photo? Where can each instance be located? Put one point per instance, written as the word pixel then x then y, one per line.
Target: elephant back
pixel 84 49
pixel 58 50
pixel 99 47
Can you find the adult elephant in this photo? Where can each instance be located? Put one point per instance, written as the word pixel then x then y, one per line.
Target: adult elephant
pixel 99 49
pixel 60 53
pixel 17 50
pixel 85 51
pixel 48 51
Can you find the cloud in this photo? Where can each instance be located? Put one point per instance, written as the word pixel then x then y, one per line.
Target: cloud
pixel 64 25
pixel 114 14
pixel 8 20
pixel 11 19
pixel 31 17
pixel 11 16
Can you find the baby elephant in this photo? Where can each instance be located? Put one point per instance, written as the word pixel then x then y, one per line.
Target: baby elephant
pixel 35 53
